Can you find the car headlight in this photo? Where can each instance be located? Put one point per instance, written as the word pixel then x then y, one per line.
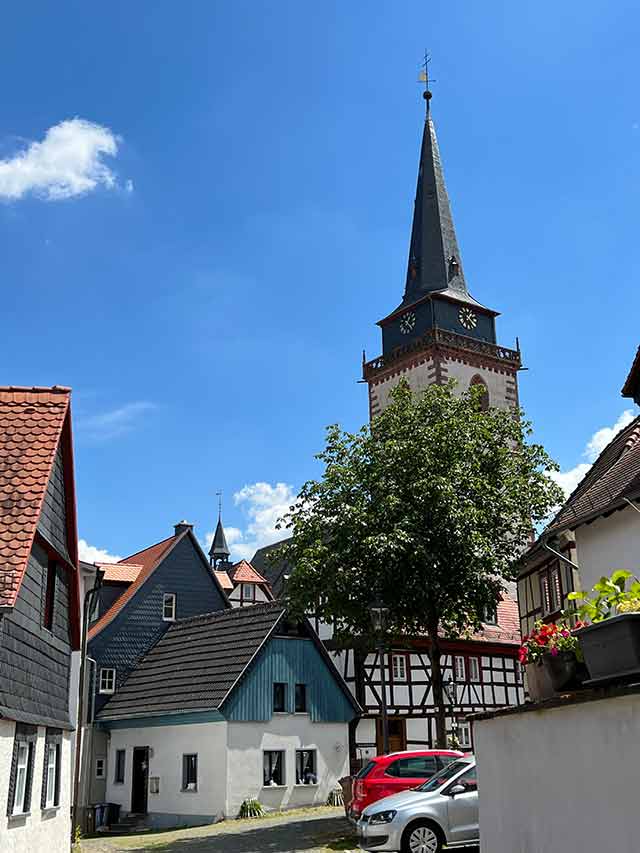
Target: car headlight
pixel 383 817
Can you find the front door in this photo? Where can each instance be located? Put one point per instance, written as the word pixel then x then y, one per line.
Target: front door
pixel 140 779
pixel 397 729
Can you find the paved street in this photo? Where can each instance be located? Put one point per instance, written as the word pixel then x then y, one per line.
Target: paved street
pixel 306 831
pixel 321 830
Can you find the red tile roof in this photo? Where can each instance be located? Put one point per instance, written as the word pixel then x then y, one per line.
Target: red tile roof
pixel 224 580
pixel 243 572
pixel 31 423
pixel 120 572
pixel 148 559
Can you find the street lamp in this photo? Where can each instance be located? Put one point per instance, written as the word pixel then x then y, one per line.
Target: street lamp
pixel 451 689
pixel 378 613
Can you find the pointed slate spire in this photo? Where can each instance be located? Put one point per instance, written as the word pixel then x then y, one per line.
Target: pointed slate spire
pixel 219 551
pixel 434 256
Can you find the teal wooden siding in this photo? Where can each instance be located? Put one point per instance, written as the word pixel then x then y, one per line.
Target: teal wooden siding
pixel 292 661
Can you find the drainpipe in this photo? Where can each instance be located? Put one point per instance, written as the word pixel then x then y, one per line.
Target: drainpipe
pixel 89 599
pixel 559 555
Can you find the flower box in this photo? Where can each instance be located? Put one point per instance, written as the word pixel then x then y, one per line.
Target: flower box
pixel 611 648
pixel 565 671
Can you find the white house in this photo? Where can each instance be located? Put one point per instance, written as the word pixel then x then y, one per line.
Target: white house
pixel 228 706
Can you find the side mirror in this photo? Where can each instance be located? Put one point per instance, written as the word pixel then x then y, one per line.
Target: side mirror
pixel 454 790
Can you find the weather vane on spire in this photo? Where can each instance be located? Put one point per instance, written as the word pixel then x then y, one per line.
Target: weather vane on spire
pixel 424 78
pixel 219 494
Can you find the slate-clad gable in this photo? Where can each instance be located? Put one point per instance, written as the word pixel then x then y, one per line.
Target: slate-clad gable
pixel 139 625
pixel 53 515
pixel 35 662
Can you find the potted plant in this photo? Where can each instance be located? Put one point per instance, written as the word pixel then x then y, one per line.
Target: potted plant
pixel 611 643
pixel 553 659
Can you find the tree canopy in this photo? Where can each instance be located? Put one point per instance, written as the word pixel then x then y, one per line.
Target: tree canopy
pixel 427 508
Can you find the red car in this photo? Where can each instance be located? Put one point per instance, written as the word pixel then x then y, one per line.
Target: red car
pixel 399 771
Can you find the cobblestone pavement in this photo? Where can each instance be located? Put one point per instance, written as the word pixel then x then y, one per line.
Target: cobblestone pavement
pixel 320 830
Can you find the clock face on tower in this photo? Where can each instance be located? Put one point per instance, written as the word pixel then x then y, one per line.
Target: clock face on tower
pixel 408 322
pixel 468 318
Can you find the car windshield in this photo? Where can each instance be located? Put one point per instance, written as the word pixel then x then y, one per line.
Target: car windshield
pixel 365 770
pixel 444 776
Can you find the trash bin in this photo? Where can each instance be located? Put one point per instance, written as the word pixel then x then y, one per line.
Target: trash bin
pixel 101 814
pixel 90 820
pixel 113 813
pixel 346 783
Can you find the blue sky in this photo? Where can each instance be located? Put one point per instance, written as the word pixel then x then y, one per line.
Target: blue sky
pixel 206 265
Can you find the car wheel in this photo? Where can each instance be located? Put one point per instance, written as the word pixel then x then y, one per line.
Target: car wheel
pixel 421 838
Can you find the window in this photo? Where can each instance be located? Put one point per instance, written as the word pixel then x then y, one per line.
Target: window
pixel 107 680
pixel 490 615
pixel 420 767
pixel 49 595
pixel 279 697
pixel 273 767
pixel 484 393
pixel 459 669
pixel 301 698
pixel 474 669
pixel 169 607
pixel 551 589
pixel 464 734
pixel 190 772
pixel 154 784
pixel 51 769
pixel 399 667
pixel 306 773
pixel 248 592
pixel 99 768
pixel 23 772
pixel 118 776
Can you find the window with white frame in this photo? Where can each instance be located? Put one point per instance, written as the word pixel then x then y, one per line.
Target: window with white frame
pixel 490 614
pixel 22 777
pixel 306 773
pixel 190 772
pixel 169 607
pixel 247 592
pixel 273 767
pixel 459 669
pixel 100 766
pixel 51 775
pixel 107 680
pixel 551 592
pixel 474 669
pixel 464 733
pixel 399 667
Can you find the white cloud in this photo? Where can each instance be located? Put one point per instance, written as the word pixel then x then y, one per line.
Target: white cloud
pixel 568 480
pixel 67 163
pixel 91 554
pixel 262 504
pixel 114 423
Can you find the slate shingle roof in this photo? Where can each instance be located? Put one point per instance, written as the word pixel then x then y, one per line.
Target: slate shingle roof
pixel 195 663
pixel 31 422
pixel 274 572
pixel 148 559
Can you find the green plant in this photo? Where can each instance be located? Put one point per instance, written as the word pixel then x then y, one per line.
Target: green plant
pixel 77 835
pixel 251 808
pixel 335 798
pixel 609 597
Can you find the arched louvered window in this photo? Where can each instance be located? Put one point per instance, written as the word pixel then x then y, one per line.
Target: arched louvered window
pixel 484 399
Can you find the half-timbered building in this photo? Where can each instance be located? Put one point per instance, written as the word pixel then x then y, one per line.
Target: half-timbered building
pixel 39 617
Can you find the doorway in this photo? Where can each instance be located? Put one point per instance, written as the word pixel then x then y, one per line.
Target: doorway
pixel 139 779
pixel 397 728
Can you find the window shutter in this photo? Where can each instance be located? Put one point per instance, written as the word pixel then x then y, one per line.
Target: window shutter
pixel 29 784
pixel 556 591
pixel 45 774
pixel 24 733
pixel 545 593
pixel 12 778
pixel 56 794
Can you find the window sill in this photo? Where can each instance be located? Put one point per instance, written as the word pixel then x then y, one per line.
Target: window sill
pixel 307 785
pixel 281 713
pixel 188 790
pixel 268 787
pixel 50 809
pixel 18 816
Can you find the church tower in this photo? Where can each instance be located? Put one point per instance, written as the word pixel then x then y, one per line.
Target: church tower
pixel 439 331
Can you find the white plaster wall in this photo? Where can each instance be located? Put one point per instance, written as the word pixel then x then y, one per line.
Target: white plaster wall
pixel 234 596
pixel 167 745
pixel 417 731
pixel 608 544
pixel 560 780
pixel 287 732
pixel 417 377
pixel 40 831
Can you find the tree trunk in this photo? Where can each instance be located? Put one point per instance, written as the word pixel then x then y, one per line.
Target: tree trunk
pixel 435 655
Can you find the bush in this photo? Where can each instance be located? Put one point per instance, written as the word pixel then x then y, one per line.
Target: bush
pixel 251 808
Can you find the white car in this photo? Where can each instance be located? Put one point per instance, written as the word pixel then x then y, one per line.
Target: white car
pixel 442 811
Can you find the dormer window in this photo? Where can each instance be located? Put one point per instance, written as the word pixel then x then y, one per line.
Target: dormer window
pixel 248 592
pixel 454 267
pixel 169 607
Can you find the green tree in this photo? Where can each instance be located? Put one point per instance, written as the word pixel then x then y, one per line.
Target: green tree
pixel 428 508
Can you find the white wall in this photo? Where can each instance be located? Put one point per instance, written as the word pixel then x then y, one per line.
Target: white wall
pixel 287 732
pixel 499 385
pixel 40 831
pixel 563 779
pixel 167 745
pixel 608 544
pixel 234 596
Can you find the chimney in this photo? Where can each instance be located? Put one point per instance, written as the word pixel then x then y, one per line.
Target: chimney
pixel 181 526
